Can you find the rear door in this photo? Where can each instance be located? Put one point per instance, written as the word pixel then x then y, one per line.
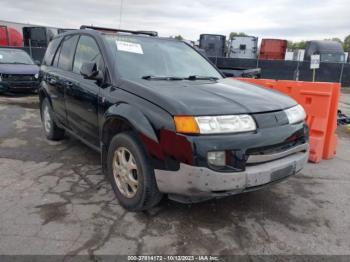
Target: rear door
pixel 60 76
pixel 82 96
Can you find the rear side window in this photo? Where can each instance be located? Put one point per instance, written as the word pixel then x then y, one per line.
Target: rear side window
pixel 51 50
pixel 65 60
pixel 87 51
pixel 55 61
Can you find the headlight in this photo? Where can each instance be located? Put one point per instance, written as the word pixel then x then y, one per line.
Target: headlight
pixel 295 114
pixel 36 76
pixel 214 124
pixel 225 124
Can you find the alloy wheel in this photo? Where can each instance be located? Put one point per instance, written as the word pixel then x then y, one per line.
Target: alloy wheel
pixel 47 119
pixel 125 172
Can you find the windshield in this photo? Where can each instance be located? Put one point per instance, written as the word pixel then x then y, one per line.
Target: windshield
pixel 154 58
pixel 14 56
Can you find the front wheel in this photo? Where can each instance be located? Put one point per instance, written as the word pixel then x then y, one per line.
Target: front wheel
pixel 52 131
pixel 131 174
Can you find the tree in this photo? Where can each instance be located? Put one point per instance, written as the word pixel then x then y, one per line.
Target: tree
pixel 297 45
pixel 346 44
pixel 179 37
pixel 336 39
pixel 233 34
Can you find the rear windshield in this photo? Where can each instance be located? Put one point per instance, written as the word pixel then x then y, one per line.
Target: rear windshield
pixel 14 56
pixel 332 57
pixel 137 57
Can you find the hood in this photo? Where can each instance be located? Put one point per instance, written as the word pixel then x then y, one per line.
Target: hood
pixel 18 69
pixel 226 96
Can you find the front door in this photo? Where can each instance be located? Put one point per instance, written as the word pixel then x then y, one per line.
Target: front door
pixel 82 95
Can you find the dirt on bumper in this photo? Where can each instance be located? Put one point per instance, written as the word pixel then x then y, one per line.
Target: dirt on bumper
pixel 198 183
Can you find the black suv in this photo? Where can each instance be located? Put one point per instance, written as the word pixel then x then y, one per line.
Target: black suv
pixel 165 120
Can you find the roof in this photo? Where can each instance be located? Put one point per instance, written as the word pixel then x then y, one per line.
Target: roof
pixel 327 45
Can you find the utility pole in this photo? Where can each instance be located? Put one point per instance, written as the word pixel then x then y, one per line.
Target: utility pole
pixel 120 13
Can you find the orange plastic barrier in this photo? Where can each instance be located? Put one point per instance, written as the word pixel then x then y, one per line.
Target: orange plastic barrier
pixel 320 101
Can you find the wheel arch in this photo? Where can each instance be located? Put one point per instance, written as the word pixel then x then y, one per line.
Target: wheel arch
pixel 42 93
pixel 123 117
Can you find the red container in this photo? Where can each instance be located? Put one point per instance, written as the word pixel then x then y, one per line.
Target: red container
pixel 10 37
pixel 4 40
pixel 274 49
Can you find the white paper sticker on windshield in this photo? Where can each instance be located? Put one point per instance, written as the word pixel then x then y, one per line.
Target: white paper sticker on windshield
pixel 1 57
pixel 129 47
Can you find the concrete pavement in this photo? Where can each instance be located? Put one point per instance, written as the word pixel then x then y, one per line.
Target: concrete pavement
pixel 54 200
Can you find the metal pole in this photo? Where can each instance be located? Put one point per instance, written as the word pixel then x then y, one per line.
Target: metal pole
pixel 341 73
pixel 313 75
pixel 30 48
pixel 297 70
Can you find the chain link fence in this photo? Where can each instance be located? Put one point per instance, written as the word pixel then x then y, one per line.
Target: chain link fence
pixel 289 70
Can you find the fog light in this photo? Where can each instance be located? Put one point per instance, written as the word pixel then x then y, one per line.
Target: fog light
pixel 217 158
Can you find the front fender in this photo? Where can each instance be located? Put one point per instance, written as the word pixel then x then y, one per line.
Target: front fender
pixel 42 92
pixel 165 147
pixel 134 116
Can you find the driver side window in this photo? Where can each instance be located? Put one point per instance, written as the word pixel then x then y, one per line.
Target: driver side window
pixel 87 51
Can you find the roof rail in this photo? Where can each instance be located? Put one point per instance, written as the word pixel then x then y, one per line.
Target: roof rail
pixel 114 30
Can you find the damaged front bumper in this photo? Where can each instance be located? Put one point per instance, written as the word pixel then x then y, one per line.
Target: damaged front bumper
pixel 194 184
pixel 19 85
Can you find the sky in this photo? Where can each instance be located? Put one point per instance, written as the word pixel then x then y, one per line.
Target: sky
pixel 288 19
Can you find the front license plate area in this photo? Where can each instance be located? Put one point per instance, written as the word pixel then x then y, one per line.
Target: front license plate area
pixel 282 173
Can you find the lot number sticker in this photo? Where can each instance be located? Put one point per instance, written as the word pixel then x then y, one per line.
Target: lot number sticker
pixel 1 57
pixel 129 47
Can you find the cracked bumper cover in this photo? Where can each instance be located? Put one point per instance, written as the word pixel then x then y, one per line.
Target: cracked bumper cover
pixel 201 182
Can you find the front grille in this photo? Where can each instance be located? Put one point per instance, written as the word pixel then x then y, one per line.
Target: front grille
pixel 276 148
pixel 17 78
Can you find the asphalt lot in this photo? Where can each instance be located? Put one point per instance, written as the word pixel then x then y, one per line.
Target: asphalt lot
pixel 54 200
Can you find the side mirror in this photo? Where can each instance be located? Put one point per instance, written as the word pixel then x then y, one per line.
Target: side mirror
pixel 89 71
pixel 37 62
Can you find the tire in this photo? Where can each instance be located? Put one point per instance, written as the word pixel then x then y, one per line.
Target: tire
pixel 52 131
pixel 135 196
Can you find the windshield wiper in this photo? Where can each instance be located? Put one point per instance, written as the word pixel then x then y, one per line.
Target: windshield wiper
pixel 168 78
pixel 197 77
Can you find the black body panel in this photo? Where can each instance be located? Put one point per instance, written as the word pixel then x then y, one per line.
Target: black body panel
pixel 87 107
pixel 205 97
